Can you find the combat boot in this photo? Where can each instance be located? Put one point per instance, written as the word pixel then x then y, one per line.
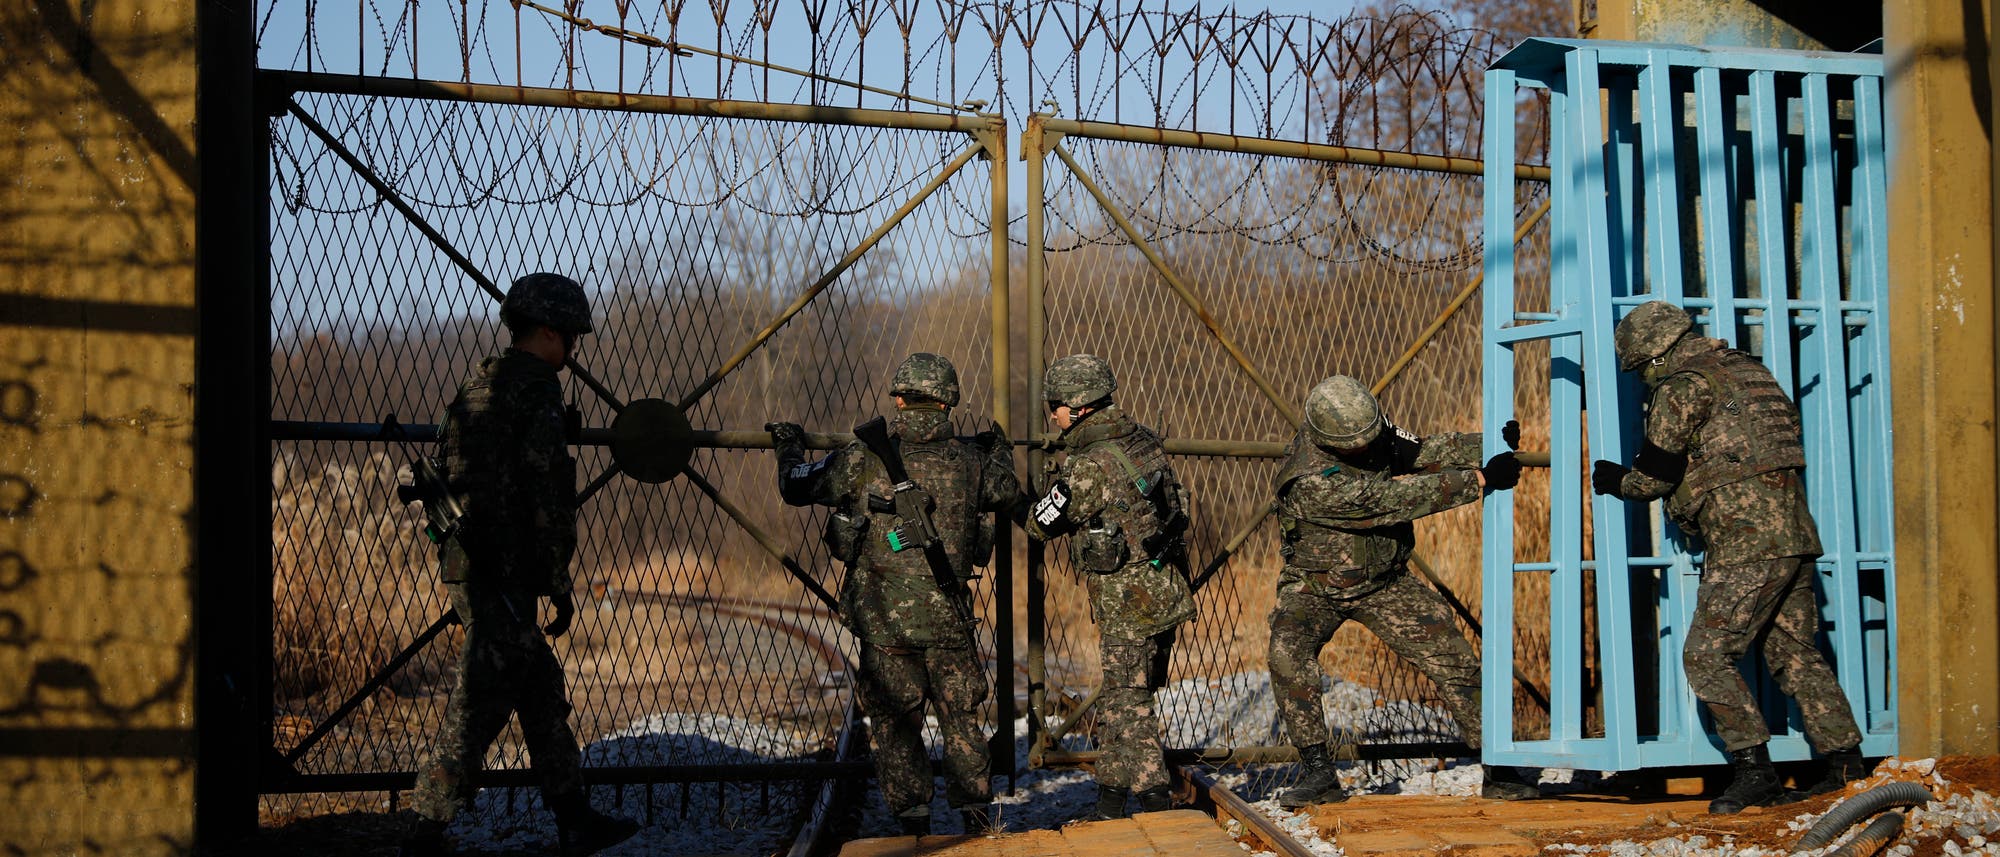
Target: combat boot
pixel 1110 804
pixel 1842 767
pixel 1155 799
pixel 581 829
pixel 1319 781
pixel 1504 783
pixel 424 838
pixel 1756 782
pixel 915 821
pixel 976 819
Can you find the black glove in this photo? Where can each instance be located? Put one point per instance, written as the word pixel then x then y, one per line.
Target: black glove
pixel 786 434
pixel 1511 433
pixel 565 606
pixel 1605 476
pixel 1502 472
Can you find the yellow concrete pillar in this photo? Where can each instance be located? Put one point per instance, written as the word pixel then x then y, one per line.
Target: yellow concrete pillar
pixel 97 324
pixel 1941 266
pixel 1840 25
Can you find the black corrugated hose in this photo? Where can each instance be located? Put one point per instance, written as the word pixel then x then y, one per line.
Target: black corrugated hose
pixel 1871 838
pixel 1838 819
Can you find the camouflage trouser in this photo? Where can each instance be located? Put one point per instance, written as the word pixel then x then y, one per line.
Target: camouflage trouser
pixel 505 667
pixel 1128 726
pixel 895 681
pixel 1771 602
pixel 1409 617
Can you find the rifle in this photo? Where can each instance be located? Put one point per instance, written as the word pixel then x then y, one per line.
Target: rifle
pixel 442 510
pixel 913 506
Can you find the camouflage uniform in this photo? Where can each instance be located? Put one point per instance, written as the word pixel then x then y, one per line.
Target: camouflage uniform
pixel 915 642
pixel 1723 445
pixel 1136 564
pixel 504 453
pixel 1345 522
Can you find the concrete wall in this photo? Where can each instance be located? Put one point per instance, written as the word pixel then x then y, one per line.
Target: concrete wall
pixel 1941 264
pixel 97 370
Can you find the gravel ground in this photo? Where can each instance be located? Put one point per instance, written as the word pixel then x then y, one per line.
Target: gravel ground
pixel 756 819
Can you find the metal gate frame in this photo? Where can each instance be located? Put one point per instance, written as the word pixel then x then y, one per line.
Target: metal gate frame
pixel 1619 200
pixel 1043 137
pixel 988 133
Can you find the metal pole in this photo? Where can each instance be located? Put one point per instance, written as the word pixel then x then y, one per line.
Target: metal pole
pixel 1000 330
pixel 1283 753
pixel 1180 289
pixel 827 278
pixel 1283 148
pixel 763 539
pixel 374 683
pixel 1451 309
pixel 708 439
pixel 423 226
pixel 1033 151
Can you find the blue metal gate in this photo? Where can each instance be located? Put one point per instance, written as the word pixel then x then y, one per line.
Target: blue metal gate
pixel 1748 187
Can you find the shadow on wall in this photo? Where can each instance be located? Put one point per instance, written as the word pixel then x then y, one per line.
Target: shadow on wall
pixel 97 330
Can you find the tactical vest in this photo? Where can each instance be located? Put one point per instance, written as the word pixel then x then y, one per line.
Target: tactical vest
pixel 1138 580
pixel 1148 504
pixel 1344 557
pixel 891 597
pixel 479 450
pixel 952 473
pixel 1752 427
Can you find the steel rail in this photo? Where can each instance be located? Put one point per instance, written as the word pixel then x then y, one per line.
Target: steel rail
pixel 1258 824
pixel 825 812
pixel 436 238
pixel 799 304
pixel 1180 288
pixel 1213 142
pixel 626 102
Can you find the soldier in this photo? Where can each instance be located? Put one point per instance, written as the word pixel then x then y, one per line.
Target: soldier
pixel 1722 443
pixel 916 638
pixel 1347 495
pixel 503 453
pixel 1125 512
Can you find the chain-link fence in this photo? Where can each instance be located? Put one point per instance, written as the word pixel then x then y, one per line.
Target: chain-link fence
pixel 756 260
pixel 1307 268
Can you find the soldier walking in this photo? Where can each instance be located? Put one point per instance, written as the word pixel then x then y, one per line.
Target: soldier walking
pixel 1117 499
pixel 915 627
pixel 503 453
pixel 1347 494
pixel 1723 444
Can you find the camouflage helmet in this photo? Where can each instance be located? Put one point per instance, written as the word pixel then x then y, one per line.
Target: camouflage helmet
pixel 927 375
pixel 1078 380
pixel 1341 413
pixel 551 299
pixel 1648 332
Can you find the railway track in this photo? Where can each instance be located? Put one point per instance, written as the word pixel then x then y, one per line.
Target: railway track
pixel 820 818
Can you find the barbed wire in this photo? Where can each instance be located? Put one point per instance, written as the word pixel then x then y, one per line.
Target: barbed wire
pixel 1407 80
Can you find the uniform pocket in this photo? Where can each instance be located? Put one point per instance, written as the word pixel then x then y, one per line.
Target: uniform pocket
pixel 1100 550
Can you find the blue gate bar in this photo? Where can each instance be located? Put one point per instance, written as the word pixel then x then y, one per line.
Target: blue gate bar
pixel 1645 142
